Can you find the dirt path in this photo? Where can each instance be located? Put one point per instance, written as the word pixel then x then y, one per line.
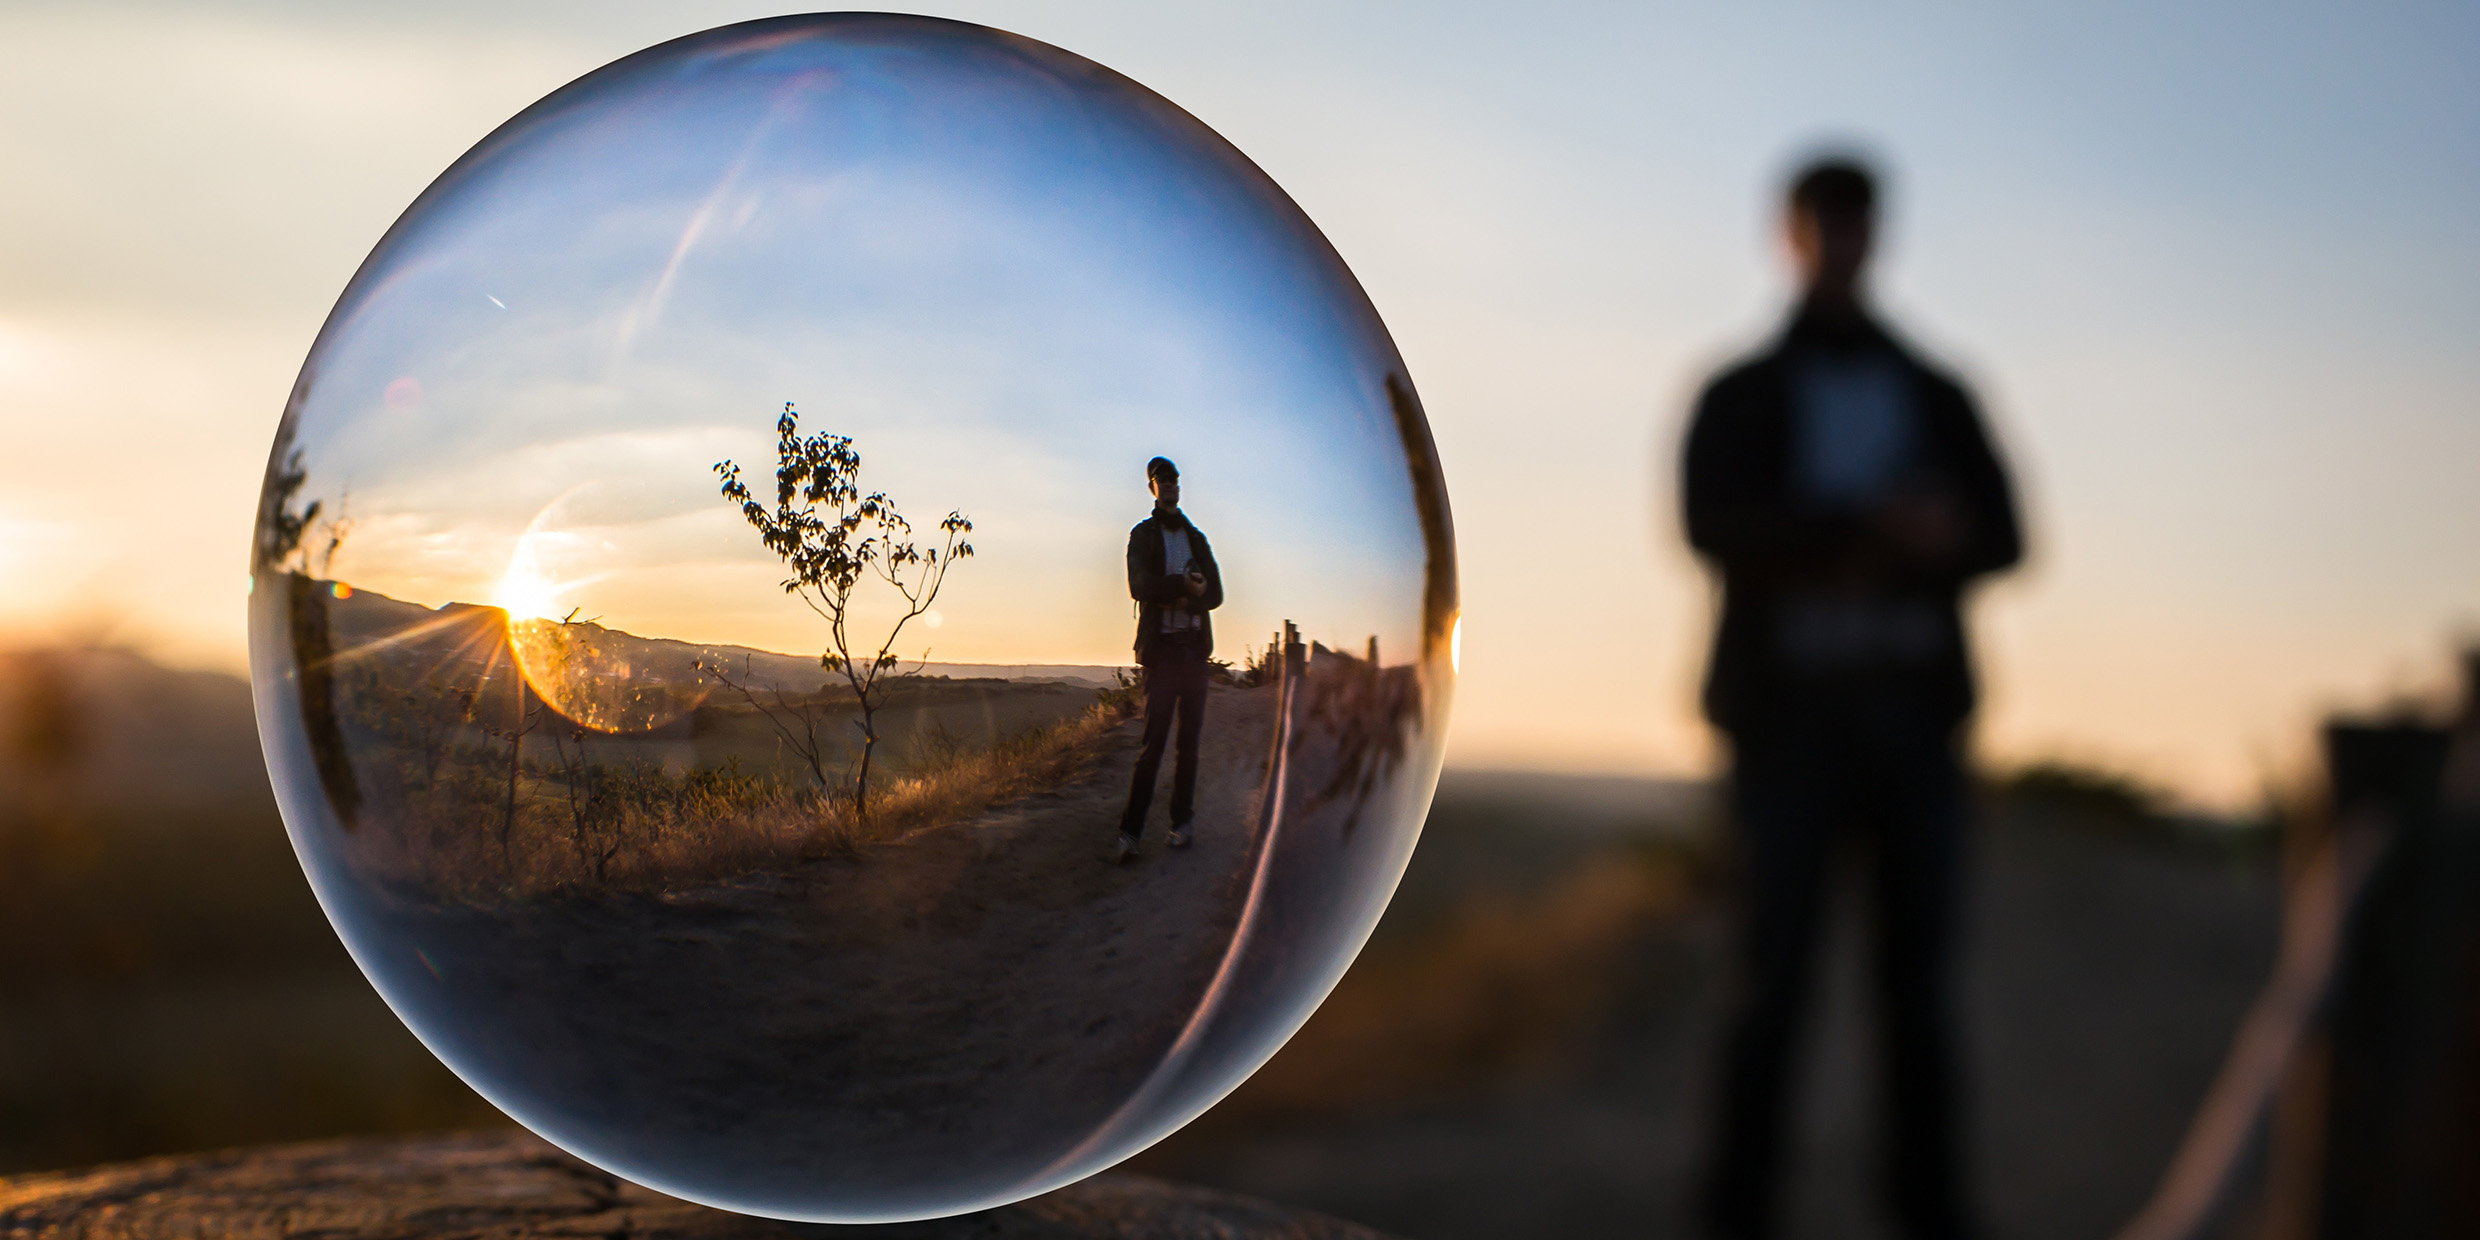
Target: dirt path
pixel 980 995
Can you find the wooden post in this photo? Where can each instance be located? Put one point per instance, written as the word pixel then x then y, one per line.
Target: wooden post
pixel 511 1186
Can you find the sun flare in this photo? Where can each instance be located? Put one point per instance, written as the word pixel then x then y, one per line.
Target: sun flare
pixel 525 592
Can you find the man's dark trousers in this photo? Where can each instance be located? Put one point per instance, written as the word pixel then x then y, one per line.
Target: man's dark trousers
pixel 1175 679
pixel 1878 768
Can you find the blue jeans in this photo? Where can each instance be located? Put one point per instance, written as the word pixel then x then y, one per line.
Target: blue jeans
pixel 1175 682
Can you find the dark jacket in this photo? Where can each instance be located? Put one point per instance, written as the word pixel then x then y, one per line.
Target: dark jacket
pixel 1153 588
pixel 1746 517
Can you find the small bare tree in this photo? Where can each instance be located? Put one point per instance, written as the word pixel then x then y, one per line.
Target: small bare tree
pixel 832 535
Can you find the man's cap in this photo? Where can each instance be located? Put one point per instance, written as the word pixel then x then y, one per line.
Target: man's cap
pixel 1160 468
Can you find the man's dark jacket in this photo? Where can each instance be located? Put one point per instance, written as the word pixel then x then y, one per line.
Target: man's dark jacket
pixel 1746 516
pixel 1152 587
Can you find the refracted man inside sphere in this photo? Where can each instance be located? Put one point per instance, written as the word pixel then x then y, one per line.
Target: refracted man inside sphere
pixel 1173 578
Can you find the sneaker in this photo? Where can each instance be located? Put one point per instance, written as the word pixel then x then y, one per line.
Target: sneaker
pixel 1179 836
pixel 1127 848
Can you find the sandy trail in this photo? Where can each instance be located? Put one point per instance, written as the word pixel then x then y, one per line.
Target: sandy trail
pixel 979 995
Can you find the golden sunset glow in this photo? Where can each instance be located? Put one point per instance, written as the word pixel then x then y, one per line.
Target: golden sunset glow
pixel 591 675
pixel 525 592
pixel 604 680
pixel 2229 536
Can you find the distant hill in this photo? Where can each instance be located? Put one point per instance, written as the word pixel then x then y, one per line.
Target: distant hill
pixel 475 634
pixel 132 736
pixel 117 732
pixel 1601 806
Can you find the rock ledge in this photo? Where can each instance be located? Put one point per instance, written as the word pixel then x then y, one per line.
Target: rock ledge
pixel 512 1186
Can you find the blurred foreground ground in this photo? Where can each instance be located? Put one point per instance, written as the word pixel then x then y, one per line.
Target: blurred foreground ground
pixel 1520 1051
pixel 2109 964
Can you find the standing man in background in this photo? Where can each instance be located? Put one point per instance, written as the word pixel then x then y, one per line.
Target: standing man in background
pixel 1846 493
pixel 1173 577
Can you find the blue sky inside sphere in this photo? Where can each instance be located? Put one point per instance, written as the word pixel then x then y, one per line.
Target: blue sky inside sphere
pixel 1009 288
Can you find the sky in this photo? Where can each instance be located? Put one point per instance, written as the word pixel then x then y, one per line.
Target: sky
pixel 2208 267
pixel 1007 283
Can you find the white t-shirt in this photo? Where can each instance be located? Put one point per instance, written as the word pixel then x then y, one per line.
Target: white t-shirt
pixel 1176 617
pixel 1855 434
pixel 1854 430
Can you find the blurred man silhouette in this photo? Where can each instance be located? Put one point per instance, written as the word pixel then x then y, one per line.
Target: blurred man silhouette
pixel 1845 492
pixel 1173 577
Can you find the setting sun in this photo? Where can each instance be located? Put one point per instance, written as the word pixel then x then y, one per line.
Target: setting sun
pixel 524 592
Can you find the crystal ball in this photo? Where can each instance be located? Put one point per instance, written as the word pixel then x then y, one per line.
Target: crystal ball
pixel 853 617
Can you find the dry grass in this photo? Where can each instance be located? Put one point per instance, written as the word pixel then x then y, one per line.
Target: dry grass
pixel 965 782
pixel 635 827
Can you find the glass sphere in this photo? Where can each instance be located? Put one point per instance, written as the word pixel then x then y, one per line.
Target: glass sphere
pixel 700 585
